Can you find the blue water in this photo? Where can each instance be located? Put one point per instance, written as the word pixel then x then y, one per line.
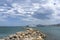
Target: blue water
pixel 52 33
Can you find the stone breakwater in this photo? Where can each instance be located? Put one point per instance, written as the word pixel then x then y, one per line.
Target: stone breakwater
pixel 29 34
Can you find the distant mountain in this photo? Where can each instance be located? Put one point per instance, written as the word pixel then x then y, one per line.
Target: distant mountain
pixel 55 25
pixel 39 25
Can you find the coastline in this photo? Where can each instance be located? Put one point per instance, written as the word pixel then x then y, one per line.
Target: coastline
pixel 29 34
pixel 52 33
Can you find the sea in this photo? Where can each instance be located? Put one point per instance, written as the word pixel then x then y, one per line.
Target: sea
pixel 52 33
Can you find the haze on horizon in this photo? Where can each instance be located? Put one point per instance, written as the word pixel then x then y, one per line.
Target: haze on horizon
pixel 25 12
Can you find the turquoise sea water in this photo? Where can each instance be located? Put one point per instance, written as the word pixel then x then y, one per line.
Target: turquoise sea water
pixel 52 33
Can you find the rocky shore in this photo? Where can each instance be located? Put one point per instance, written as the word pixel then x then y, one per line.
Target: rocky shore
pixel 29 34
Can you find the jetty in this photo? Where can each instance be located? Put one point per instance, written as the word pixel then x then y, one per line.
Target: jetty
pixel 28 34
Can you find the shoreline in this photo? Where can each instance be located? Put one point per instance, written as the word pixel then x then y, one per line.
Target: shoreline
pixel 28 34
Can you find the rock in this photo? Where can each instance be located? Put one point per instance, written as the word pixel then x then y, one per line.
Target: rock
pixel 1 39
pixel 29 34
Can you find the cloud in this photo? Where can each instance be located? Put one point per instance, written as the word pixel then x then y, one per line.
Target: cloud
pixel 32 11
pixel 43 13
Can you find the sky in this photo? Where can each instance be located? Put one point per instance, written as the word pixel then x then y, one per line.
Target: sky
pixel 29 12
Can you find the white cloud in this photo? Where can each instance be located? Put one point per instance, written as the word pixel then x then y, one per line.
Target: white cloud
pixel 1 10
pixel 23 9
pixel 36 6
pixel 27 10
